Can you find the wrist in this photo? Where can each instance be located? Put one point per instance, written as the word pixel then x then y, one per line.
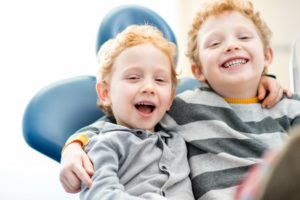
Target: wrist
pixel 80 139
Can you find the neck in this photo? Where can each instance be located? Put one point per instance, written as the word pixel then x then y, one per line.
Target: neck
pixel 239 91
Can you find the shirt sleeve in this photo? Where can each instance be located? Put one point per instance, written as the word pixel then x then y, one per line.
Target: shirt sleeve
pixel 296 119
pixel 84 134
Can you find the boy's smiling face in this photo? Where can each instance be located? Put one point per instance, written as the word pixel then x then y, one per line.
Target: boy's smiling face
pixel 232 55
pixel 140 87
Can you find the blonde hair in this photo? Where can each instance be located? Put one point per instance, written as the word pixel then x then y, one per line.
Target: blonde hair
pixel 133 35
pixel 218 7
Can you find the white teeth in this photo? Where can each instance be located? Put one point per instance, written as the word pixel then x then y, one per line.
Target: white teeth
pixel 146 104
pixel 235 63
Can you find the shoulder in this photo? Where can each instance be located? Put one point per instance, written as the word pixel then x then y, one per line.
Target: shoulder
pixel 111 136
pixel 296 97
pixel 203 96
pixel 288 106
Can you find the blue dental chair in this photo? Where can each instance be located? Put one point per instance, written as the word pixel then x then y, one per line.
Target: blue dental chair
pixel 58 110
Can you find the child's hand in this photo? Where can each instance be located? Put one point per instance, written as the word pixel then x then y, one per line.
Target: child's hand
pixel 76 167
pixel 273 88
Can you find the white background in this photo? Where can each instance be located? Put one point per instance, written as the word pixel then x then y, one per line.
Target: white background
pixel 42 42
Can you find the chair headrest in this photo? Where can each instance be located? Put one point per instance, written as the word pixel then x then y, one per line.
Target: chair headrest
pixel 120 17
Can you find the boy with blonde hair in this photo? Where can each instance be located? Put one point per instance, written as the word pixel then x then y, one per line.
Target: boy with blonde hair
pixel 223 123
pixel 229 49
pixel 135 158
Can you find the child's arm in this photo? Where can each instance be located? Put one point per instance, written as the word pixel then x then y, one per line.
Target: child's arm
pixel 270 91
pixel 75 167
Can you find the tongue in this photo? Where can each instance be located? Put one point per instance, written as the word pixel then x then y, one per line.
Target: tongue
pixel 144 109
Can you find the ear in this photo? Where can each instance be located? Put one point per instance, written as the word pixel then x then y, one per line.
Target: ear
pixel 198 74
pixel 268 57
pixel 103 93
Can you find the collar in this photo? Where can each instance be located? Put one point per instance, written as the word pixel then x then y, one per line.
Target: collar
pixel 241 101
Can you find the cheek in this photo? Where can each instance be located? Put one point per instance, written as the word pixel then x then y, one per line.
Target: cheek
pixel 260 58
pixel 114 94
pixel 208 59
pixel 258 51
pixel 167 98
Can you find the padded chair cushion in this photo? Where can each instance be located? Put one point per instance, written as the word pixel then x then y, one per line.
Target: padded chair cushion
pixel 57 111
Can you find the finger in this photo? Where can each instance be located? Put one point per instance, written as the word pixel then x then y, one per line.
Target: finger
pixel 270 98
pixel 74 182
pixel 287 92
pixel 70 189
pixel 261 95
pixel 276 99
pixel 261 92
pixel 64 184
pixel 276 92
pixel 83 176
pixel 88 166
pixel 66 188
pixel 70 182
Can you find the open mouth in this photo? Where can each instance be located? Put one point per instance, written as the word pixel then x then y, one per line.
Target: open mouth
pixel 235 63
pixel 145 108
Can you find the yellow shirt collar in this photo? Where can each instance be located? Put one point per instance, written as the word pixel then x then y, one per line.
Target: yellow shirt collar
pixel 241 101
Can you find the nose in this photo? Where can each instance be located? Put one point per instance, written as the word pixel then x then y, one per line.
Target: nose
pixel 148 87
pixel 232 46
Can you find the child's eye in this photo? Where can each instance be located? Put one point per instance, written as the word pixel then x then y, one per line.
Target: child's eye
pixel 214 44
pixel 133 77
pixel 160 79
pixel 244 37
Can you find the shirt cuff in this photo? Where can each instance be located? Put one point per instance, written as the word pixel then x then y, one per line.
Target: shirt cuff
pixel 80 138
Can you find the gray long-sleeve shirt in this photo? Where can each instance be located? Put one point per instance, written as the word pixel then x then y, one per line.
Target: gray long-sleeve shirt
pixel 225 139
pixel 136 164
